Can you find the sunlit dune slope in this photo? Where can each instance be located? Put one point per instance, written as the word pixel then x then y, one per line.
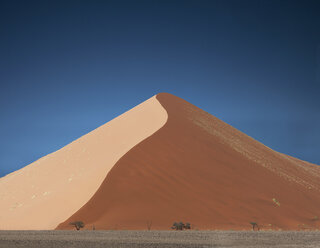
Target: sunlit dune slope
pixel 50 190
pixel 198 169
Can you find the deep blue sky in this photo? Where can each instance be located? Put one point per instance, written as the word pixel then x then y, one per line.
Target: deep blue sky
pixel 67 67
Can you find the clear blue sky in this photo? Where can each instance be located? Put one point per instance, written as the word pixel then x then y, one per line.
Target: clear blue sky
pixel 67 67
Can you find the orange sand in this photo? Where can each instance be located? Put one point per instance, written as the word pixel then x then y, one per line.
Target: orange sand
pixel 163 161
pixel 198 169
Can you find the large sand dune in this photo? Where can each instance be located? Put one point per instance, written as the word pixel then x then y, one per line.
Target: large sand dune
pixel 163 161
pixel 197 168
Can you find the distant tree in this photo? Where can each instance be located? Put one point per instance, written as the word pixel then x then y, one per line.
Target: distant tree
pixel 179 226
pixel 176 226
pixel 187 226
pixel 254 226
pixel 149 224
pixel 77 224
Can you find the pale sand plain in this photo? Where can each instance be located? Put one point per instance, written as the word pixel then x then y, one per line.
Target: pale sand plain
pixel 158 239
pixel 48 191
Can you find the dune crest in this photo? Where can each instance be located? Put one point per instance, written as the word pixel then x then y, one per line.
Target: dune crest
pixel 198 169
pixel 163 161
pixel 48 191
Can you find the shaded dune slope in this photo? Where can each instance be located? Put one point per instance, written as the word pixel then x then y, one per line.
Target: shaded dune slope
pixel 198 169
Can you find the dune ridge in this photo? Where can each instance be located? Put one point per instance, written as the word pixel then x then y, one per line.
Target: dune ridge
pixel 48 191
pixel 197 168
pixel 163 161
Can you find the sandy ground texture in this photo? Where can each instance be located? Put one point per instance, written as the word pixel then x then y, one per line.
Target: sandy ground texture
pixel 163 239
pixel 50 190
pixel 198 169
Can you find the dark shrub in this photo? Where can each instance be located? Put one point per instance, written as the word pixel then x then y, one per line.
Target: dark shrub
pixel 77 224
pixel 179 226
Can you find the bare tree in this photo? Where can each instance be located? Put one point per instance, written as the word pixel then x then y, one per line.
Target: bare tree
pixel 77 224
pixel 149 224
pixel 254 225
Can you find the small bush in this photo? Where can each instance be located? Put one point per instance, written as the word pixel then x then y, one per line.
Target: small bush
pixel 77 224
pixel 187 226
pixel 254 226
pixel 179 226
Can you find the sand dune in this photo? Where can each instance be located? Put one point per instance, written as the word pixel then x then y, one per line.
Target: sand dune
pixel 48 191
pixel 165 160
pixel 199 169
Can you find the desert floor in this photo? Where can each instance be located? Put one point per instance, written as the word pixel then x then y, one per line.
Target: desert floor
pixel 161 239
